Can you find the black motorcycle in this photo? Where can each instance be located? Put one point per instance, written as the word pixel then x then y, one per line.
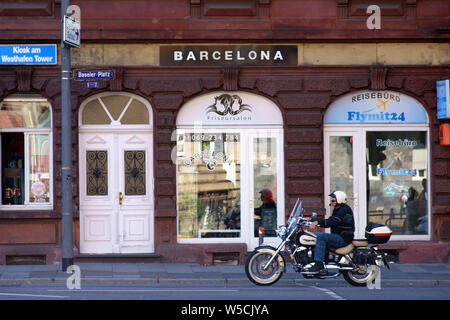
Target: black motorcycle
pixel 358 262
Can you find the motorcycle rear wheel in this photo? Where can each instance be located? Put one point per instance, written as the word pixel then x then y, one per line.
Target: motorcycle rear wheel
pixel 361 277
pixel 254 267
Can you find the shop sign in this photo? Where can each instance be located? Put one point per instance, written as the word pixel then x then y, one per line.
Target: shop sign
pixel 28 54
pixel 443 99
pixel 229 109
pixel 375 107
pixel 229 55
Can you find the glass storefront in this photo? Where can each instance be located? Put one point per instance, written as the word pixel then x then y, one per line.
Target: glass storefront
pixel 230 167
pixel 209 185
pixel 397 180
pixel 376 151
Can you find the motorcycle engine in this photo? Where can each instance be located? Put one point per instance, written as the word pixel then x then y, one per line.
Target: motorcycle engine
pixel 301 255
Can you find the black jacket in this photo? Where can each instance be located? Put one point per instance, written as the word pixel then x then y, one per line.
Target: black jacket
pixel 340 222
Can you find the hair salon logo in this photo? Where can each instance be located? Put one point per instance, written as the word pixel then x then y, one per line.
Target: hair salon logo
pixel 231 107
pixel 210 159
pixel 377 113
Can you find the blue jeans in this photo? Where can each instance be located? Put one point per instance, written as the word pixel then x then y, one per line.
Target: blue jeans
pixel 326 239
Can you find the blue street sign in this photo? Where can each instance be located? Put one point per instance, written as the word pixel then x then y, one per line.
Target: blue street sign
pixel 30 54
pixel 92 85
pixel 94 75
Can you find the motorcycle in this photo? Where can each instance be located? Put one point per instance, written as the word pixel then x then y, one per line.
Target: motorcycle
pixel 357 262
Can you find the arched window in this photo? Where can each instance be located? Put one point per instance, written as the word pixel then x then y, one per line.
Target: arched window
pixel 115 110
pixel 26 152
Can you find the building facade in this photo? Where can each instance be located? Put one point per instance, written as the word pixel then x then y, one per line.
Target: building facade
pixel 218 116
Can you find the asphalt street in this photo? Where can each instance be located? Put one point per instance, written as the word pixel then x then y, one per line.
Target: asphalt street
pixel 300 290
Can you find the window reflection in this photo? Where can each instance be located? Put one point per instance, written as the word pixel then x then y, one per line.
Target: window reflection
pixel 341 165
pixel 25 114
pixel 208 185
pixel 397 180
pixel 265 185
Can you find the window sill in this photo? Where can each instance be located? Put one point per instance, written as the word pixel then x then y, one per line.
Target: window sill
pixel 35 212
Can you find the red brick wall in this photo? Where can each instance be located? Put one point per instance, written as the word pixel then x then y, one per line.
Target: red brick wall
pixel 303 94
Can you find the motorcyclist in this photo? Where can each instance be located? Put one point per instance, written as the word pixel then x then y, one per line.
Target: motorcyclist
pixel 342 227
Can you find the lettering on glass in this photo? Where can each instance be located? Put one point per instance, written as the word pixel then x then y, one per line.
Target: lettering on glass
pixel 97 173
pixel 135 173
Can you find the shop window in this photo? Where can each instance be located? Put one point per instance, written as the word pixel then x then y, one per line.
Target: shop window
pixel 26 152
pixel 209 185
pixel 396 183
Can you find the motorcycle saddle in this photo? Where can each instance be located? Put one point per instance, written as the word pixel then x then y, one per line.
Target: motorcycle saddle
pixel 348 248
pixel 343 250
pixel 360 242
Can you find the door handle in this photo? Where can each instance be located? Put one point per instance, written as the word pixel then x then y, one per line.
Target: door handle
pixel 120 198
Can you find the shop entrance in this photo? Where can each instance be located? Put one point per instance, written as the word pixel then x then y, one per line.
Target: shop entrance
pixel 381 161
pixel 230 170
pixel 116 176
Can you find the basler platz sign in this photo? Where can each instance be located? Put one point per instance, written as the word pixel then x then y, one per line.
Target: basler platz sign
pixel 229 55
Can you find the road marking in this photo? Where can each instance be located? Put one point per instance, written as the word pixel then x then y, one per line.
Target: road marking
pixel 331 293
pixel 31 295
pixel 327 291
pixel 146 290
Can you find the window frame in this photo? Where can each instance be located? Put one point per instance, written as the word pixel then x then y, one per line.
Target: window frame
pixel 27 206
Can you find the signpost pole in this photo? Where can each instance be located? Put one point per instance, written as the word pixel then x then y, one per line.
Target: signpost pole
pixel 66 144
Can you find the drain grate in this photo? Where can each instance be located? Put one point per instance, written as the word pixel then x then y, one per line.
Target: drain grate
pixel 25 259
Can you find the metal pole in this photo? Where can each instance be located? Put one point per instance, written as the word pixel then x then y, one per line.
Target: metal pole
pixel 66 150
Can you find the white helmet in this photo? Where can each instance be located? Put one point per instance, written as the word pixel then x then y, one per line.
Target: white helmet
pixel 340 196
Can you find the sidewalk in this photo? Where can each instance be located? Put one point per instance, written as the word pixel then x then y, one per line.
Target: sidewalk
pixel 115 273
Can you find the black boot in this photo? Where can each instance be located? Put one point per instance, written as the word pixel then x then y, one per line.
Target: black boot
pixel 315 268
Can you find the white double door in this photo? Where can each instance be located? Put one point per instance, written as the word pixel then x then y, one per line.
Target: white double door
pixel 116 193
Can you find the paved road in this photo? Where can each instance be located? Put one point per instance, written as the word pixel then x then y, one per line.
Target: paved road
pixel 307 290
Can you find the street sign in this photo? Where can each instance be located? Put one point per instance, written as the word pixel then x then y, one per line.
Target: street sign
pixel 86 75
pixel 92 85
pixel 71 32
pixel 28 54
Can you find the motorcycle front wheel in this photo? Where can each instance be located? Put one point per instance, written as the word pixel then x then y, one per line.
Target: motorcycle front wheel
pixel 361 276
pixel 254 267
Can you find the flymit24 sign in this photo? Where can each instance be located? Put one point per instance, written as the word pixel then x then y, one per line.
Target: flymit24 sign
pixel 375 107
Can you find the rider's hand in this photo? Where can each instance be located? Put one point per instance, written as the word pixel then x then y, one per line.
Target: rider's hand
pixel 313 225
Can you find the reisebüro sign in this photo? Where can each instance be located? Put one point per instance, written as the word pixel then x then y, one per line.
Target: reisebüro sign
pixel 28 54
pixel 382 107
pixel 229 55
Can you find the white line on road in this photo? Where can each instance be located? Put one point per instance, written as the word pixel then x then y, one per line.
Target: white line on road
pixel 146 290
pixel 331 294
pixel 327 291
pixel 31 295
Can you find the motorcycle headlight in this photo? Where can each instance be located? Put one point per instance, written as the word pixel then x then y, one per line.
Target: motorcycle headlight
pixel 281 231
